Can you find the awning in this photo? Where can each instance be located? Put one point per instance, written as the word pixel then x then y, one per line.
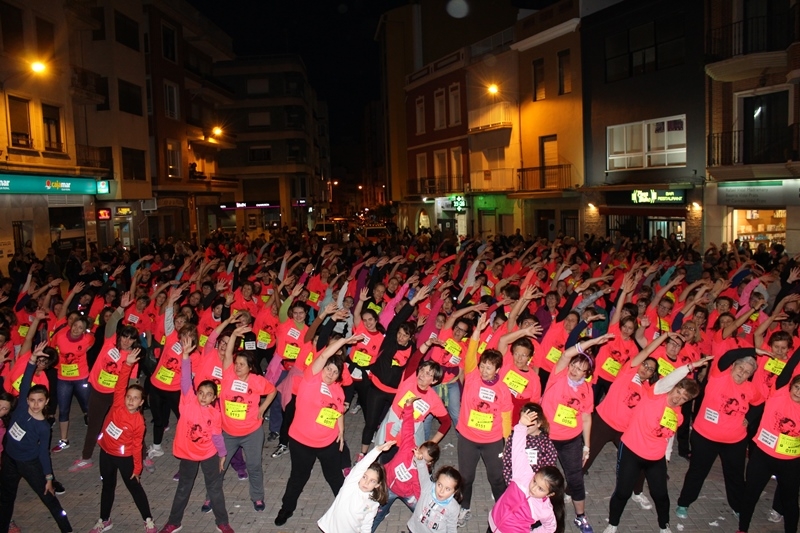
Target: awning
pixel 649 210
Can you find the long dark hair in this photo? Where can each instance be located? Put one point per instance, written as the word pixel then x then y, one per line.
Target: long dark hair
pixel 455 475
pixel 556 485
pixel 380 493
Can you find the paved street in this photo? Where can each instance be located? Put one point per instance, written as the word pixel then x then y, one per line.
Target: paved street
pixel 82 499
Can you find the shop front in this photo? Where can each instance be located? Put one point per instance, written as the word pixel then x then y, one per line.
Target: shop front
pixel 755 212
pixel 252 218
pixel 648 213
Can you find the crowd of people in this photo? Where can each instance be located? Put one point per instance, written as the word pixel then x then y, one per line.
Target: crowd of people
pixel 536 353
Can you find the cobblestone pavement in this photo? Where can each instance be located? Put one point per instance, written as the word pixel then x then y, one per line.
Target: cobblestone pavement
pixel 82 499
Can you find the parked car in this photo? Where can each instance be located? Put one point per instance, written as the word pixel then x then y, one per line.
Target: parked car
pixel 325 230
pixel 375 233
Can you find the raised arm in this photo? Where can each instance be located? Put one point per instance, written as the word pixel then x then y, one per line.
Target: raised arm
pixel 579 347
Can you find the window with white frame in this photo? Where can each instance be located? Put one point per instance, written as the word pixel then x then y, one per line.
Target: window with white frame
pixel 455 104
pixel 439 110
pixel 171 101
pixel 420 115
pixel 422 165
pixel 173 160
pixel 654 143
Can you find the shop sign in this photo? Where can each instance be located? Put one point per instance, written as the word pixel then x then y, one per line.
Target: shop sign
pixel 653 196
pixel 249 205
pixel 171 202
pixel 775 193
pixel 25 184
pixel 102 187
pixel 104 214
pixel 124 211
pixel 459 203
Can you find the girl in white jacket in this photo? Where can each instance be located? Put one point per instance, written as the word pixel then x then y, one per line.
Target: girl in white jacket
pixel 357 503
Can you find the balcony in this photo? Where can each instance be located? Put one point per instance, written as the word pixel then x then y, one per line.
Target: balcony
pixel 496 179
pixel 554 177
pixel 492 117
pixel 21 140
pixel 760 146
pixel 93 156
pixel 53 146
pixel 750 47
pixel 436 186
pixel 84 86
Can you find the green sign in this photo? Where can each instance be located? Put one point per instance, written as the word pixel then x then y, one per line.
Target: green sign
pixel 459 203
pixel 102 187
pixel 28 184
pixel 658 197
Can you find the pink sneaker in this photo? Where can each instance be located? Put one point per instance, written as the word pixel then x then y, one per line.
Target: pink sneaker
pixel 80 464
pixel 170 528
pixel 13 528
pixel 150 526
pixel 224 528
pixel 101 525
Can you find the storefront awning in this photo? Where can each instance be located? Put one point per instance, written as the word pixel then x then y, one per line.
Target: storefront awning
pixel 36 184
pixel 544 194
pixel 643 211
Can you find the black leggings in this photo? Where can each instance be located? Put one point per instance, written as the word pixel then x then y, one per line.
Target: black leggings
pixel 99 404
pixel 602 434
pixel 161 403
pixel 376 406
pixel 303 459
pixel 109 465
pixel 704 453
pixel 286 421
pixel 629 466
pixel 600 390
pixel 760 468
pixel 31 471
pixel 570 455
pixel 469 453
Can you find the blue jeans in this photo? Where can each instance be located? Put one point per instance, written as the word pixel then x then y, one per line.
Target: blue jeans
pixel 383 510
pixel 65 390
pixel 451 399
pixel 275 411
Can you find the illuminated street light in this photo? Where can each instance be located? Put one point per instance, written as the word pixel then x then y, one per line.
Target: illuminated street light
pixel 38 67
pixel 336 183
pixel 217 131
pixel 360 187
pixel 492 89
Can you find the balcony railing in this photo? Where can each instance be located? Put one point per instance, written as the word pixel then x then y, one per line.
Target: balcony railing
pixel 758 146
pixel 499 115
pixel 552 177
pixel 53 146
pixel 84 85
pixel 496 179
pixel 438 185
pixel 21 140
pixel 754 35
pixel 93 156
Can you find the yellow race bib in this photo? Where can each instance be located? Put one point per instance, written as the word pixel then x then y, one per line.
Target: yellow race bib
pixel 328 417
pixel 612 366
pixel 515 382
pixel 165 375
pixel 108 380
pixel 264 337
pixel 361 358
pixel 788 445
pixel 554 355
pixel 291 352
pixel 452 347
pixel 69 371
pixel 669 419
pixel 313 297
pixel 374 307
pixel 665 368
pixel 202 340
pixel 480 421
pixel 566 416
pixel 235 410
pixel 775 366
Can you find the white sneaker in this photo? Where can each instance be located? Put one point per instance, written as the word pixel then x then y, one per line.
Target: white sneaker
pixel 665 530
pixel 642 500
pixel 463 516
pixel 610 529
pixel 774 516
pixel 152 451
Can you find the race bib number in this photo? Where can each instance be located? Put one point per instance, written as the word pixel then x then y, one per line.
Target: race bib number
pixel 203 340
pixel 291 352
pixel 217 372
pixel 402 473
pixel 452 347
pixel 323 389
pixel 250 345
pixel 165 375
pixel 313 297
pixel 108 380
pixel 69 371
pixel 17 383
pixel 669 420
pixel 486 394
pixel 362 358
pixel 357 374
pixel 533 456
pixel 113 431
pixel 481 347
pixel 611 366
pixel 788 445
pixel 328 417
pixel 770 439
pixel 374 307
pixel 754 316
pixel 16 432
pixel 114 354
pixel 711 415
pixel 747 328
pixel 239 386
pixel 263 340
pixel 420 406
pixel 665 368
pixel 235 410
pixel 566 416
pixel 23 330
pixel 293 333
pixel 554 355
pixel 177 349
pixel 774 366
pixel 480 421
pixel 309 358
pixel 133 319
pixel 515 383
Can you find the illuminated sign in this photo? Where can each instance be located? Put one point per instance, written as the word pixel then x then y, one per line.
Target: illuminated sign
pixel 27 184
pixel 250 205
pixel 658 197
pixel 104 214
pixel 102 187
pixel 459 203
pixel 124 211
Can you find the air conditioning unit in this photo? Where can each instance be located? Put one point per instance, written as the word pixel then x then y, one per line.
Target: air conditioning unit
pixel 149 205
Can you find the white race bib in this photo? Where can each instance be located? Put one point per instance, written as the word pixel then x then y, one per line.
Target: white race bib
pixel 768 438
pixel 323 389
pixel 239 386
pixel 113 353
pixel 177 348
pixel 402 473
pixel 711 415
pixel 533 456
pixel 217 372
pixel 16 432
pixel 293 333
pixel 113 431
pixel 487 395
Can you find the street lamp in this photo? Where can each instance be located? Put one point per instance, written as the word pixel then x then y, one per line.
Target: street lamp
pixel 38 67
pixel 217 131
pixel 492 89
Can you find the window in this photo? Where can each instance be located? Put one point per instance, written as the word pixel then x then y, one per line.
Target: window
pixel 420 109
pixel 439 110
pixel 45 39
pixel 455 104
pixel 655 143
pixel 422 166
pixel 173 160
pixel 259 118
pixel 102 89
pixel 564 73
pixel 171 102
pixel 260 153
pixel 19 120
pixel 538 80
pixel 258 86
pixel 126 31
pixel 130 97
pixel 52 128
pixel 99 15
pixel 148 86
pixel 133 164
pixel 645 48
pixel 11 27
pixel 169 43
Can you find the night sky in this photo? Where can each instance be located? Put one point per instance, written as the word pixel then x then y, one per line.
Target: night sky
pixel 334 38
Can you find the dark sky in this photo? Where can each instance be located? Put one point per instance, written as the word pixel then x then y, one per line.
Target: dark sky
pixel 334 38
